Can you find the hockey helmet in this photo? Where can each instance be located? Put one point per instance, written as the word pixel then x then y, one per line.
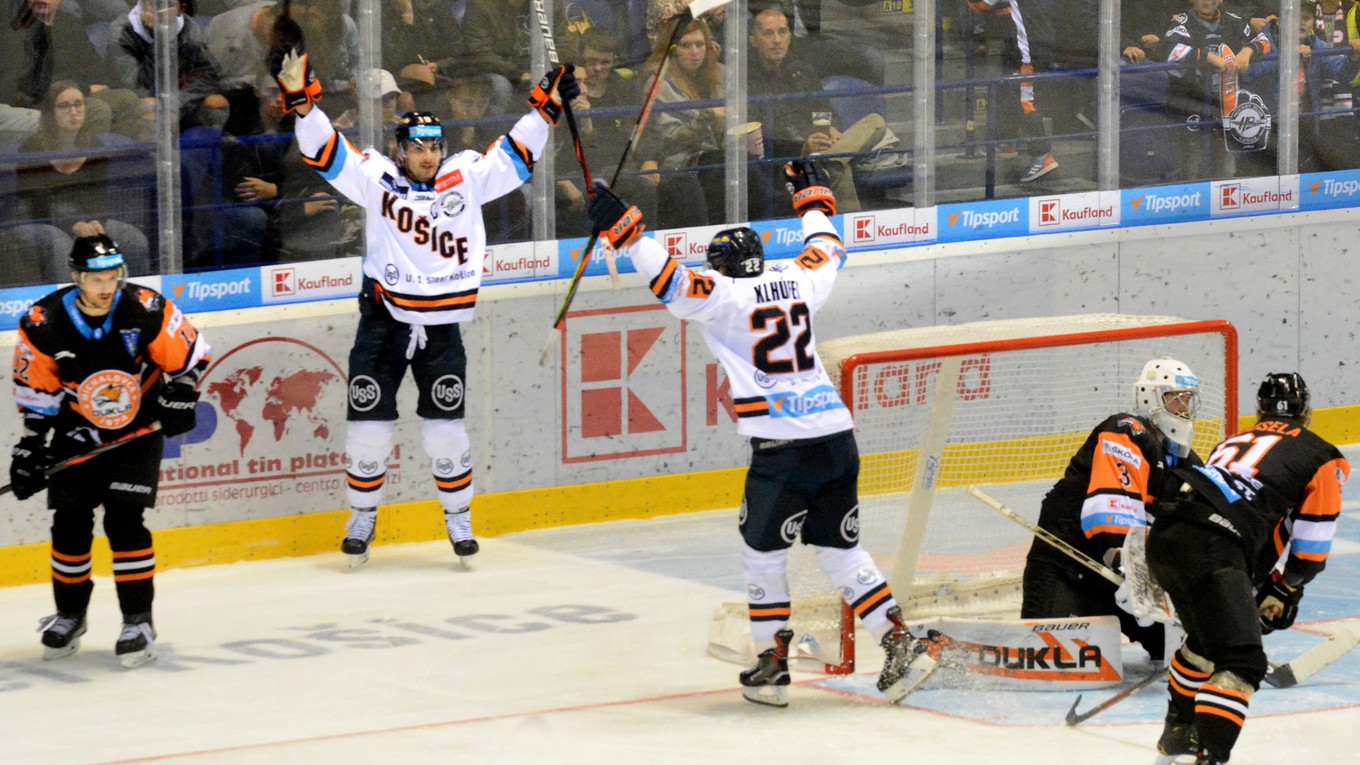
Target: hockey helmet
pixel 737 252
pixel 95 253
pixel 420 127
pixel 1159 379
pixel 1283 394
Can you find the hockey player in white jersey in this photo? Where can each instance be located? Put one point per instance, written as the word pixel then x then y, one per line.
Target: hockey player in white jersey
pixel 422 269
pixel 804 461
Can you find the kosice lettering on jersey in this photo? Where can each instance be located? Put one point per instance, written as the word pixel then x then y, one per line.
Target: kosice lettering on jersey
pixel 425 242
pixel 760 329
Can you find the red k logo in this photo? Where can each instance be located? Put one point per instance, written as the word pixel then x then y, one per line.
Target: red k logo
pixel 623 384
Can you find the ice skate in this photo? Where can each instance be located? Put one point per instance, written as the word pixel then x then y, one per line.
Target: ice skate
pixel 1207 757
pixel 459 525
pixel 768 681
pixel 906 663
pixel 61 634
pixel 1178 744
pixel 359 532
pixel 137 642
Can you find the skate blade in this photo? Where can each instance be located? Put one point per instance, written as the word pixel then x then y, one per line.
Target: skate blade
pixel 356 560
pixel 918 672
pixel 51 654
pixel 769 695
pixel 138 658
pixel 1174 759
pixel 465 561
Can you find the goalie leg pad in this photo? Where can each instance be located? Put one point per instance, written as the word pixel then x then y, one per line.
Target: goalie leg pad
pixel 767 594
pixel 860 582
pixel 367 446
pixel 450 451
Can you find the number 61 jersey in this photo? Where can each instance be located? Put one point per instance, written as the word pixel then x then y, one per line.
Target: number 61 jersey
pixel 760 328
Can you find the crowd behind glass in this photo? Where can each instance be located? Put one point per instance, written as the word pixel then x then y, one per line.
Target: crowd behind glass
pixel 1016 109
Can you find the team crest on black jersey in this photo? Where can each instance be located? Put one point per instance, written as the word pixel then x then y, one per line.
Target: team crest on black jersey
pixel 130 338
pixel 109 399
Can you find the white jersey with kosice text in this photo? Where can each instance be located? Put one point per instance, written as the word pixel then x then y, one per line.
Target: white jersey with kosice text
pixel 760 328
pixel 425 242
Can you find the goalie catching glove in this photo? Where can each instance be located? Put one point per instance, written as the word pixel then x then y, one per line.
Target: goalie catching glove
pixel 298 84
pixel 1278 604
pixel 557 88
pixel 618 222
pixel 810 186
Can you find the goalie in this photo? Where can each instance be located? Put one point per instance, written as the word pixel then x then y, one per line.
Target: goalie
pixel 1122 468
pixel 422 269
pixel 804 463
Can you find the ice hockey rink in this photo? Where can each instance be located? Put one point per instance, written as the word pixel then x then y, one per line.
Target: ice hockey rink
pixel 575 645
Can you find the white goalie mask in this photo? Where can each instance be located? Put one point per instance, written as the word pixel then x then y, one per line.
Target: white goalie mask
pixel 1167 393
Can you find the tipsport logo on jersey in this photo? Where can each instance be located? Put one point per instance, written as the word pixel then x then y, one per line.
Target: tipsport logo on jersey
pixel 216 291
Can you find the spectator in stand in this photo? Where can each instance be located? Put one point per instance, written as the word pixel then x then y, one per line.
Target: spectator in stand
pixel 306 221
pixel 776 69
pixel 238 40
pixel 430 35
pixel 132 56
pixel 56 47
pixel 1200 80
pixel 63 194
pixel 17 124
pixel 464 107
pixel 498 37
pixel 672 199
pixel 1038 146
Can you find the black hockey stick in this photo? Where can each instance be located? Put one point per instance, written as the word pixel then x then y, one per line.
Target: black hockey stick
pixel 1074 718
pixel 694 10
pixel 91 454
pixel 541 12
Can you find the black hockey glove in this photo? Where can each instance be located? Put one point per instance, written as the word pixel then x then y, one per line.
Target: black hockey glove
pixel 28 466
pixel 175 408
pixel 810 187
pixel 558 87
pixel 1277 604
pixel 619 222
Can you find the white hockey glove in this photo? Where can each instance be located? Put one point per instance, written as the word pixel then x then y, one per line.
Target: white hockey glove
pixel 298 84
pixel 1123 597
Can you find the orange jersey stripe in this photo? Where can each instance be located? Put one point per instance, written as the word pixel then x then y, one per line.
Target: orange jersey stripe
pixel 432 302
pixel 137 577
pixel 869 604
pixel 359 483
pixel 85 577
pixel 453 484
pixel 64 558
pixel 1205 709
pixel 323 159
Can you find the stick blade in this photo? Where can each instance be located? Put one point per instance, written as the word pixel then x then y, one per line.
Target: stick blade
pixel 1072 717
pixel 698 8
pixel 554 337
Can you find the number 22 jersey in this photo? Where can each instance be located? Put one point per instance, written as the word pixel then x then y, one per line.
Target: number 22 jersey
pixel 760 329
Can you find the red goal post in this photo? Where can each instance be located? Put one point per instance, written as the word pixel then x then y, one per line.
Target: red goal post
pixel 1000 404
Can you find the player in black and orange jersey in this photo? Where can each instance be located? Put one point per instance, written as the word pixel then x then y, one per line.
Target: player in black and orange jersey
pixel 1123 467
pixel 93 363
pixel 1269 494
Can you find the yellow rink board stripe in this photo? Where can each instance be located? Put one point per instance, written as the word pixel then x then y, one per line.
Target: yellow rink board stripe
pixel 494 514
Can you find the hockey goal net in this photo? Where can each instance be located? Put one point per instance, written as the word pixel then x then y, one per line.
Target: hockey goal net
pixel 1000 404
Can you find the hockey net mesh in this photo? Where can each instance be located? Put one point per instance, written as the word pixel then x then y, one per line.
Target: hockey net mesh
pixel 1026 395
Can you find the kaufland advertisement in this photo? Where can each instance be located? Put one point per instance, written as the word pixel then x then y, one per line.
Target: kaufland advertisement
pixel 879 229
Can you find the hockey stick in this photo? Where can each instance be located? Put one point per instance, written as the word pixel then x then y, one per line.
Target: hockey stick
pixel 1147 597
pixel 1057 542
pixel 1074 718
pixel 1312 661
pixel 694 10
pixel 91 454
pixel 540 10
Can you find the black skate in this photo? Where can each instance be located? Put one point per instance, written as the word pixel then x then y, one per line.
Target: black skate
pixel 768 681
pixel 1207 757
pixel 906 662
pixel 61 634
pixel 137 642
pixel 1179 743
pixel 359 533
pixel 459 526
